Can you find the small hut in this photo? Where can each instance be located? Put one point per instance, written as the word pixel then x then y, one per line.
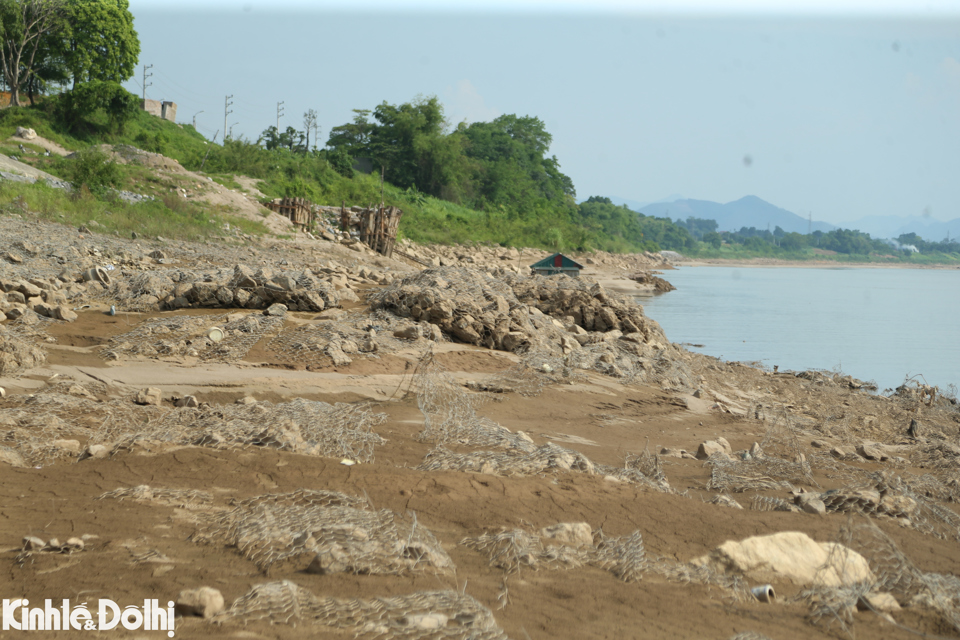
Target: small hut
pixel 557 263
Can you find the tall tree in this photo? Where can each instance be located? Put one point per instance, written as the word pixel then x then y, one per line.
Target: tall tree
pixel 99 42
pixel 24 25
pixel 309 120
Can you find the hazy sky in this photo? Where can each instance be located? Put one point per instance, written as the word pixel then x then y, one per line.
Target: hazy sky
pixel 843 109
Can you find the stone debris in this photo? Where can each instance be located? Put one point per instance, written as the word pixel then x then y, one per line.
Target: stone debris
pixel 32 544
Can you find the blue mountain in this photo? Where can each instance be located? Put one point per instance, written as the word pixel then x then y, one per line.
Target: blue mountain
pixel 749 211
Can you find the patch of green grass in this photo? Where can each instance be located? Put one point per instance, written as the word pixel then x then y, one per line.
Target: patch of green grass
pixel 170 217
pixel 227 180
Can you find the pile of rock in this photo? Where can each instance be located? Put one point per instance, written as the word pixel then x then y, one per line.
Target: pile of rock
pixel 587 305
pixel 47 297
pixel 243 288
pixel 560 313
pixel 471 306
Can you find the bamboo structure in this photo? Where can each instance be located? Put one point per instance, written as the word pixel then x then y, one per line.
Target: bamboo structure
pixel 298 210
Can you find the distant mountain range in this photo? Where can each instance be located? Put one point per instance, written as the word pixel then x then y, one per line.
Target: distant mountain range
pixel 749 211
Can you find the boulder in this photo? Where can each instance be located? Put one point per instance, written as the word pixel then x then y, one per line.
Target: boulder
pixel 149 396
pixel 408 333
pixel 98 451
pixel 65 313
pixel 811 503
pixel 205 602
pixel 276 309
pixel 789 556
pixel 872 451
pixel 709 448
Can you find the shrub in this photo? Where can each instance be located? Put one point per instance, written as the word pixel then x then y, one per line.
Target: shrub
pixel 93 169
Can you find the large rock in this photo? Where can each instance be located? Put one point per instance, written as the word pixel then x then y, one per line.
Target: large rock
pixel 205 602
pixel 149 396
pixel 790 556
pixel 577 534
pixel 709 448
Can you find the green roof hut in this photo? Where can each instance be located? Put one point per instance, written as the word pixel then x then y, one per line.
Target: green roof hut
pixel 557 263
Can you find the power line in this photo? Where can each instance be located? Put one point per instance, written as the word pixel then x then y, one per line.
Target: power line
pixel 226 112
pixel 145 83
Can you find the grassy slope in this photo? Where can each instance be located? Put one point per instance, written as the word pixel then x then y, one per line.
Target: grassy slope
pixel 425 219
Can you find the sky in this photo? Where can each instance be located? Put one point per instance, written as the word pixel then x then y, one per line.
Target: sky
pixel 838 109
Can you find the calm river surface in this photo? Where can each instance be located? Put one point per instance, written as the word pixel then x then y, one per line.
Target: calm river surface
pixel 875 324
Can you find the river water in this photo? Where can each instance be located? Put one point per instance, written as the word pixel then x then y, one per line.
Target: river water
pixel 875 324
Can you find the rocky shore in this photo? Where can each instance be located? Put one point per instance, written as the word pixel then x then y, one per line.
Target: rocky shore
pixel 306 439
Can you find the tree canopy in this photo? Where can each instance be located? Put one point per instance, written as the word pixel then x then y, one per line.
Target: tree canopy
pixel 98 41
pixel 43 42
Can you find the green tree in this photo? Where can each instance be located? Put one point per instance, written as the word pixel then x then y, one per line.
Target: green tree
pixel 80 108
pixel 99 41
pixel 712 238
pixel 24 27
pixel 354 136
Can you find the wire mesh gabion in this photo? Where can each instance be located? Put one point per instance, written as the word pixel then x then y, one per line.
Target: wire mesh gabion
pixel 624 556
pixel 893 573
pixel 340 533
pixel 188 335
pixel 441 615
pixel 187 498
pixel 33 425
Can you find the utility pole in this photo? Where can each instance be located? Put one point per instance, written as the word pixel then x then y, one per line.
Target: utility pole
pixel 231 128
pixel 145 83
pixel 195 118
pixel 810 223
pixel 226 112
pixel 279 113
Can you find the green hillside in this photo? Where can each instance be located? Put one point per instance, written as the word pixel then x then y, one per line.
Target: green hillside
pixel 487 182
